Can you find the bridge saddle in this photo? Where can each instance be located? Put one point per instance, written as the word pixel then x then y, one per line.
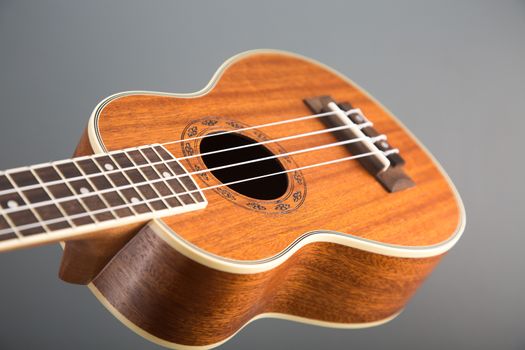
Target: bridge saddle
pixel 385 164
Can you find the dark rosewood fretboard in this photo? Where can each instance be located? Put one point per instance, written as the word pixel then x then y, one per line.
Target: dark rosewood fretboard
pixel 77 194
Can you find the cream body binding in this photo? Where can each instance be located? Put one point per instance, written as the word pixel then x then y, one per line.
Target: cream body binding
pixel 255 266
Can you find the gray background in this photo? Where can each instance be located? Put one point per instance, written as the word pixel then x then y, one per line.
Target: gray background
pixel 453 72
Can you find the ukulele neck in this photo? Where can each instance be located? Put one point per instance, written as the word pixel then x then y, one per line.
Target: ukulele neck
pixel 65 199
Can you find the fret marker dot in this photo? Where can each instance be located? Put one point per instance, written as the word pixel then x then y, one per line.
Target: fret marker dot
pixel 84 190
pixel 108 166
pixel 12 204
pixel 166 174
pixel 384 144
pixel 135 200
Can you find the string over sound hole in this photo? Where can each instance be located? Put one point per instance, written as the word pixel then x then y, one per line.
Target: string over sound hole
pixel 267 188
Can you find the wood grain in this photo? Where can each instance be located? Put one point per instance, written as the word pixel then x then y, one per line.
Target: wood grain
pixel 85 256
pixel 343 197
pixel 171 298
pixel 175 299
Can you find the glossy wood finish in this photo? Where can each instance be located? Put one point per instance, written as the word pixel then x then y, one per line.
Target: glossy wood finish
pixel 164 295
pixel 176 300
pixel 86 256
pixel 263 88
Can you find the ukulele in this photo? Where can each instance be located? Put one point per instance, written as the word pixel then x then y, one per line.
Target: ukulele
pixel 282 189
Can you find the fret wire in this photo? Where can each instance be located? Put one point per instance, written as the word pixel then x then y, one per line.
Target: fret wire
pixel 90 213
pixel 146 178
pixel 162 177
pixel 334 161
pixel 115 188
pixel 71 179
pixel 166 143
pixel 132 183
pixel 31 208
pixel 100 211
pixel 95 189
pixel 172 176
pixel 127 201
pixel 92 199
pixel 4 225
pixel 59 207
pixel 57 182
pixel 4 182
pixel 176 177
pixel 20 179
pixel 251 161
pixel 75 196
pixel 10 222
pixel 153 181
pixel 13 227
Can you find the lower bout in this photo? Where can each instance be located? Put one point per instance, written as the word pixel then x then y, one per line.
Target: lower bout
pixel 176 302
pixel 170 344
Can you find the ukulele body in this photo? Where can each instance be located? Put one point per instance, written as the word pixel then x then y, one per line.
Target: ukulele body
pixel 332 247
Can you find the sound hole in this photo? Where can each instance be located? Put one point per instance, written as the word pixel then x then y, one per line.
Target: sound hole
pixel 267 188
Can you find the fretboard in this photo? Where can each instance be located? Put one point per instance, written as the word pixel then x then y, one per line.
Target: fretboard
pixel 59 200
